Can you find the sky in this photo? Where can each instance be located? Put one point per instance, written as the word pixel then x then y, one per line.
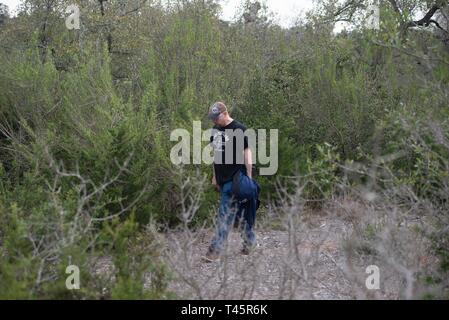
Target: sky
pixel 285 10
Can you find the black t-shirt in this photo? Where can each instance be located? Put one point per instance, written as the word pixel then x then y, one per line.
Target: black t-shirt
pixel 228 144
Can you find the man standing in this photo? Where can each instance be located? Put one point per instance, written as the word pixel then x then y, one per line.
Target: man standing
pixel 231 154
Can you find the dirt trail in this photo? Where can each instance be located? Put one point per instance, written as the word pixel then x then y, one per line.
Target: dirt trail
pixel 305 264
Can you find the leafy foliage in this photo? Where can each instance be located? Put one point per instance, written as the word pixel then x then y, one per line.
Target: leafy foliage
pixel 86 115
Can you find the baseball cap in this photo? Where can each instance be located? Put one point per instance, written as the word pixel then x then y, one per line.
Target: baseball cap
pixel 216 109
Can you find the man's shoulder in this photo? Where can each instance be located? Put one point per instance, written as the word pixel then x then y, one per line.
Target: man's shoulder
pixel 238 125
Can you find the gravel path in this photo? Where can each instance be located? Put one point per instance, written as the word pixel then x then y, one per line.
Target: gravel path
pixel 315 258
pixel 304 264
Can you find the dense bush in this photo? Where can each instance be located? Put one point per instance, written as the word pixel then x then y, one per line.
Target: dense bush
pixel 86 116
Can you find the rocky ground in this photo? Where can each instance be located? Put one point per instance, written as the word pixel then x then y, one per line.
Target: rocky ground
pixel 303 260
pixel 320 255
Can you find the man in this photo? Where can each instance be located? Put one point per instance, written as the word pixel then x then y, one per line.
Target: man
pixel 231 154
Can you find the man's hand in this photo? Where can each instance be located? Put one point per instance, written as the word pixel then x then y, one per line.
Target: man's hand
pixel 215 184
pixel 248 162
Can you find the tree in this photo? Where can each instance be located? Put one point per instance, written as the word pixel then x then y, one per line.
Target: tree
pixel 4 13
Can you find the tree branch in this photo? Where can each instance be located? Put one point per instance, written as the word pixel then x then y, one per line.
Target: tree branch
pixel 426 20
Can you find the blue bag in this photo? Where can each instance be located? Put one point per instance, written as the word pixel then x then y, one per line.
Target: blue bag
pixel 246 192
pixel 243 187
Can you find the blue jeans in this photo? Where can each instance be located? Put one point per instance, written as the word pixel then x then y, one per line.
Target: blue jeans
pixel 227 212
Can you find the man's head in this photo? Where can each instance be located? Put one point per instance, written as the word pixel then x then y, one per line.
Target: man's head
pixel 218 113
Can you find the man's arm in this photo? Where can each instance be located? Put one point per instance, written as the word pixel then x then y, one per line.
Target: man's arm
pixel 248 162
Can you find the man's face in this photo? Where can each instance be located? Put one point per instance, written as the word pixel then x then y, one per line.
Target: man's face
pixel 219 121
